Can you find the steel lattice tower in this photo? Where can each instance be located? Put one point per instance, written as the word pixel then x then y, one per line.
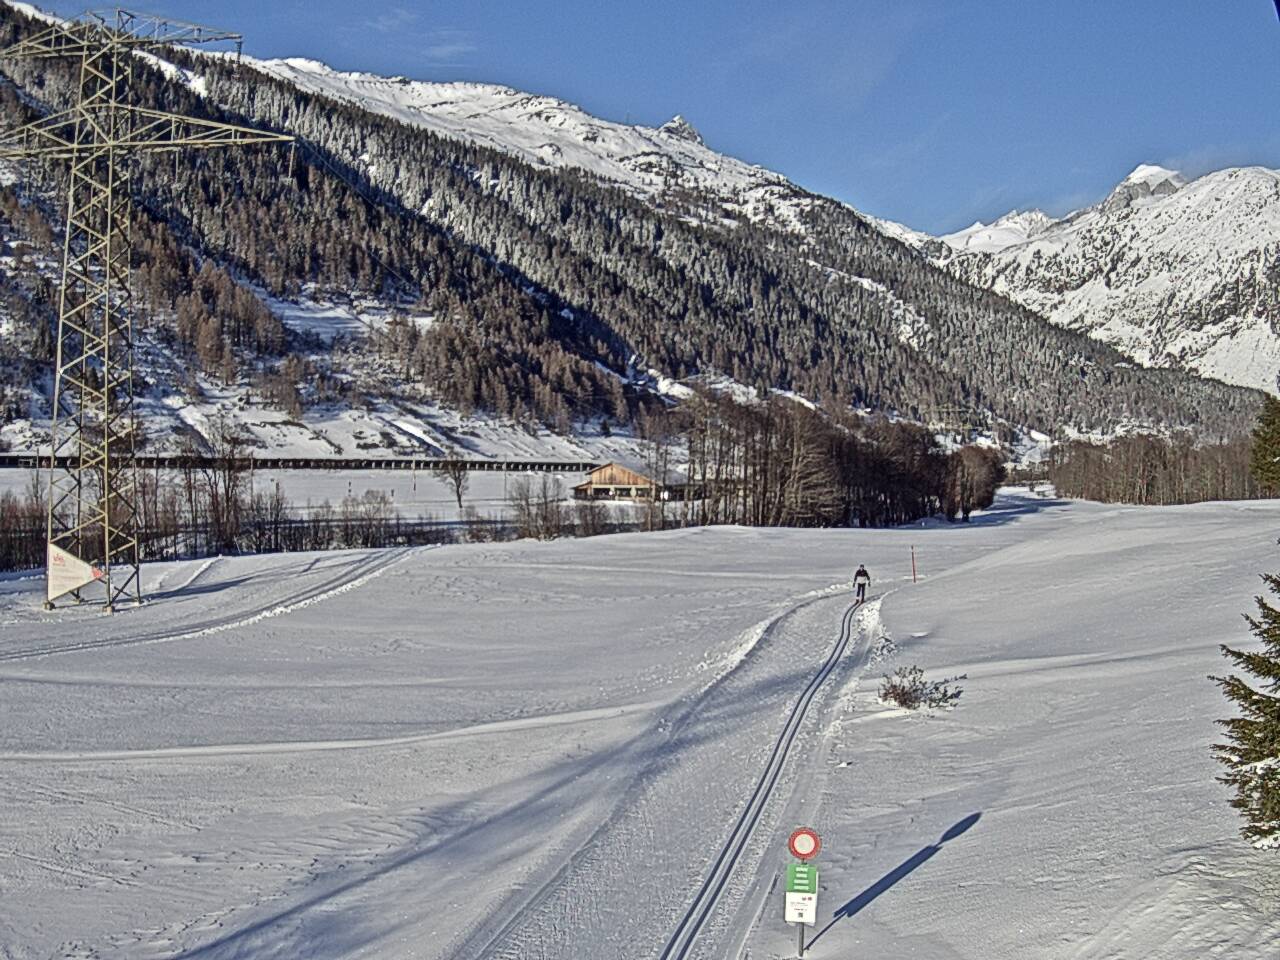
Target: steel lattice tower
pixel 93 490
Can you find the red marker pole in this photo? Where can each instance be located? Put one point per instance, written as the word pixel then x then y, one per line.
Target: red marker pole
pixel 913 564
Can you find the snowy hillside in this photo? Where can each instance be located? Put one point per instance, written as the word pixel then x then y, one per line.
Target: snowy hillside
pixel 490 222
pixel 540 750
pixel 1173 273
pixel 549 132
pixel 384 416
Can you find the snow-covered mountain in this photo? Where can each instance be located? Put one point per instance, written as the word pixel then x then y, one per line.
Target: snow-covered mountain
pixel 1173 273
pixel 1012 228
pixel 542 260
pixel 553 133
pixel 403 136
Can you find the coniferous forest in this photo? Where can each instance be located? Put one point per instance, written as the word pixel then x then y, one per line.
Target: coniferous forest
pixel 548 284
pixel 551 292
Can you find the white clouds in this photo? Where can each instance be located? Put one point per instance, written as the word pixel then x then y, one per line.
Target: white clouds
pixel 393 21
pixel 444 45
pixel 439 46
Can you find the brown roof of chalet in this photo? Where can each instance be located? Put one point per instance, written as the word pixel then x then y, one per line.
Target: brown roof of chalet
pixel 615 475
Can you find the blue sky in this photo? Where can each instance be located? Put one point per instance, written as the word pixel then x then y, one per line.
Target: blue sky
pixel 931 112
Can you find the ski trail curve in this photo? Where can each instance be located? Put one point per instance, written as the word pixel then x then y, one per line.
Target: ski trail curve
pixel 516 931
pixel 571 911
pixel 535 722
pixel 350 577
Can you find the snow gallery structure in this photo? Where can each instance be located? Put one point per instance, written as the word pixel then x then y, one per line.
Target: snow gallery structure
pixel 92 503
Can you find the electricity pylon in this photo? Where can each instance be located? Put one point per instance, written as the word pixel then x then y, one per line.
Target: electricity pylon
pixel 93 492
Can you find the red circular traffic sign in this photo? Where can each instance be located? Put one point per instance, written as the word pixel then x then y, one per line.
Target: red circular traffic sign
pixel 804 844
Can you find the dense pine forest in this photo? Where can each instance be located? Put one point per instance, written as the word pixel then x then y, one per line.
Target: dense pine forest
pixel 842 313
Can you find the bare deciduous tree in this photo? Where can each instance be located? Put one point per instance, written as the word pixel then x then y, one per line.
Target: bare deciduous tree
pixel 454 473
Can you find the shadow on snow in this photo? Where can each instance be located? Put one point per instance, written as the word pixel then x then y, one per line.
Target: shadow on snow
pixel 897 874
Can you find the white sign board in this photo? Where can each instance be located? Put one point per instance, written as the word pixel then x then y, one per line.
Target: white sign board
pixel 802 908
pixel 67 573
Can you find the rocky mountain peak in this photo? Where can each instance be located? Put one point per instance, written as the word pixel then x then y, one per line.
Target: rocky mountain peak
pixel 682 129
pixel 1146 181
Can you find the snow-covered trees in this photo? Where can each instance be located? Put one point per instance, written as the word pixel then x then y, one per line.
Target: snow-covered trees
pixel 547 288
pixel 562 271
pixel 1252 751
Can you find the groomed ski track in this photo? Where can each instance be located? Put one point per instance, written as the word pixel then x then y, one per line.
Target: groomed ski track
pixel 691 924
pixel 546 923
pixel 349 576
pixel 542 750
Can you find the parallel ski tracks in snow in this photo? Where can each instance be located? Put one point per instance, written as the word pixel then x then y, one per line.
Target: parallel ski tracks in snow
pixel 717 878
pixel 349 576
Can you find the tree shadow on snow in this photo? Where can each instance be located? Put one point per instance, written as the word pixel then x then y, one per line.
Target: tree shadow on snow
pixel 1007 510
pixel 327 916
pixel 217 586
pixel 897 874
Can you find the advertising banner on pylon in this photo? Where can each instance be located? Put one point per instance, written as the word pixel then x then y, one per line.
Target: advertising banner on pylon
pixel 67 573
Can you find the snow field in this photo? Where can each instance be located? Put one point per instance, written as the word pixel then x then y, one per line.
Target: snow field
pixel 1080 745
pixel 414 494
pixel 509 632
pixel 538 750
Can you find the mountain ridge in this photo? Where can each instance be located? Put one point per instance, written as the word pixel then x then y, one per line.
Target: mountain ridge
pixel 551 132
pixel 523 284
pixel 1173 272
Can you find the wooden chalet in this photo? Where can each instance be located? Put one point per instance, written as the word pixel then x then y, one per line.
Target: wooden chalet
pixel 616 482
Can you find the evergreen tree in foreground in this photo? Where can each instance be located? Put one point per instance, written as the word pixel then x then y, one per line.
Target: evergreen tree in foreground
pixel 1252 755
pixel 1264 460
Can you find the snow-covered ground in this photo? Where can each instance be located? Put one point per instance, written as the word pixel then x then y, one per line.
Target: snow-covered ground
pixel 541 750
pixel 413 494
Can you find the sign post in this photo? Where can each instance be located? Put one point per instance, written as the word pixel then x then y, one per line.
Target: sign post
pixel 67 574
pixel 801 906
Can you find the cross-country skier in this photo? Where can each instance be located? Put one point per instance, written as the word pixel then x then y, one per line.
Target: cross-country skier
pixel 860 580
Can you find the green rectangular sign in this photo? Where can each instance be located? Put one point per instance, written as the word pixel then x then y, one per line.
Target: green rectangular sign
pixel 802 878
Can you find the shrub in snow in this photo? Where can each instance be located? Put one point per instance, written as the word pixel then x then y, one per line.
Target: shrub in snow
pixel 1252 753
pixel 908 688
